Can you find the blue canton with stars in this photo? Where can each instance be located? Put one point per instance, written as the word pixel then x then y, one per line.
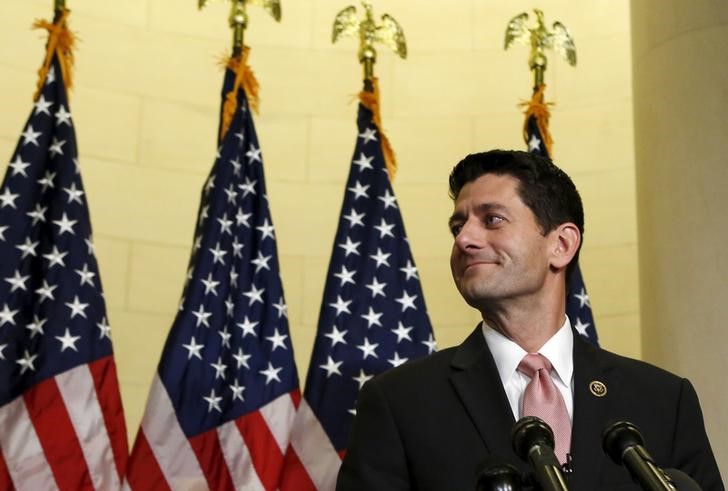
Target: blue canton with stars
pixel 229 351
pixel 52 310
pixel 578 307
pixel 373 315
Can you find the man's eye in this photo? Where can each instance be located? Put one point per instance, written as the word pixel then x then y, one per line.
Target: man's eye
pixel 492 220
pixel 455 229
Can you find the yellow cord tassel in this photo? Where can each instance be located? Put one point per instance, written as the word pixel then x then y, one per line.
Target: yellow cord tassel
pixel 61 42
pixel 243 76
pixel 370 100
pixel 537 108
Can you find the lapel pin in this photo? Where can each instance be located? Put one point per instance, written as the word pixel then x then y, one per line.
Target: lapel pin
pixel 598 388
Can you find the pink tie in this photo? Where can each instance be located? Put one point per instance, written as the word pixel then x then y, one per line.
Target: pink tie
pixel 542 399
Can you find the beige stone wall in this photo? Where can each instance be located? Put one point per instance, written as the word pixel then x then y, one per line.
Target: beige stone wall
pixel 145 108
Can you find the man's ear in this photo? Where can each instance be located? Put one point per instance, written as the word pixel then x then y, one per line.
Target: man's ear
pixel 566 242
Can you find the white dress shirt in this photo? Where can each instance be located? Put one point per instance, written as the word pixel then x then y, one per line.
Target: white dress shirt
pixel 508 355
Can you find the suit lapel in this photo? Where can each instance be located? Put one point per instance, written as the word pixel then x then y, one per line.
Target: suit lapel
pixel 477 383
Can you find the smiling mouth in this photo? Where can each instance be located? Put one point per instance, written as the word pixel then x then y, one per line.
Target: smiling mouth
pixel 477 263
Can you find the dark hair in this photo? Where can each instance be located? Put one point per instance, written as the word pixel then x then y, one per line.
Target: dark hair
pixel 547 190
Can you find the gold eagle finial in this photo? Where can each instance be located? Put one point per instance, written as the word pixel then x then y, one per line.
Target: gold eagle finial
pixel 387 32
pixel 239 18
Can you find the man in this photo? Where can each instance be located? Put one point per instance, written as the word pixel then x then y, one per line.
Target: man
pixel 429 424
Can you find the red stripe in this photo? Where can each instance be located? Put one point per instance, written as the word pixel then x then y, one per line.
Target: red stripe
pixel 103 372
pixel 296 396
pixel 6 484
pixel 143 471
pixel 264 450
pixel 209 453
pixel 295 477
pixel 57 437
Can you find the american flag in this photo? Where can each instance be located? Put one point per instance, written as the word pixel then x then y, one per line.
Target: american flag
pixel 224 396
pixel 61 419
pixel 373 316
pixel 578 307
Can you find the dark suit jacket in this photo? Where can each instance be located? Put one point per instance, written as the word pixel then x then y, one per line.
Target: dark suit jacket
pixel 428 424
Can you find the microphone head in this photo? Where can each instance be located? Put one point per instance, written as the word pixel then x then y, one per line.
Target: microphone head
pixel 618 437
pixel 530 431
pixel 496 473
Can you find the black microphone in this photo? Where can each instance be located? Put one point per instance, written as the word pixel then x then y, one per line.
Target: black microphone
pixel 681 481
pixel 623 442
pixel 533 442
pixel 497 474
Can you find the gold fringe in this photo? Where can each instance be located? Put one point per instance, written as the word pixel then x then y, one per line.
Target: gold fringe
pixel 370 100
pixel 539 109
pixel 61 42
pixel 243 76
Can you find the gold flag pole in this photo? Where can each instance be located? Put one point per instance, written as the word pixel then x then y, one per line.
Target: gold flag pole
pixel 540 38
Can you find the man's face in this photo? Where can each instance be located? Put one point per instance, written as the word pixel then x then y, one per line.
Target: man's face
pixel 499 251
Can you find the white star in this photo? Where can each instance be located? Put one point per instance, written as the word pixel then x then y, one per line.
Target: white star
pixel 350 247
pixel 8 199
pixel 26 362
pixel 583 298
pixel 104 329
pixel 397 361
pixel 368 135
pixel 65 225
pixel 388 199
pixel 248 187
pixel 240 136
pixel 3 228
pixel 278 340
pixel 261 262
pixel 248 327
pixel 90 246
pixel 225 224
pixel 225 337
pixel 229 305
pixel 253 154
pixel 410 270
pixel 202 316
pixel 372 318
pixel 86 275
pixel 46 291
pixel 51 77
pixel 237 248
pixel 336 336
pixel 266 229
pixel 407 301
pixel 68 341
pixel 242 358
pixel 376 287
pixel 281 307
pixel 341 305
pixel 42 105
pixel 2 349
pixel 219 367
pixel 7 316
pixel 77 307
pixel 368 349
pixel 38 215
pixel 242 218
pixel 362 378
pixel 233 278
pixel 431 344
pixel 55 257
pixel 354 218
pixel 210 284
pixel 363 162
pixel 36 327
pixel 17 281
pixel 271 373
pixel 63 116
pixel 380 257
pixel 56 147
pixel 218 254
pixel 581 327
pixel 231 194
pixel 359 190
pixel 346 276
pixel 30 136
pixel 237 390
pixel 213 402
pixel 27 248
pixel 236 165
pixel 384 229
pixel 47 180
pixel 19 166
pixel 331 367
pixel 534 143
pixel 74 194
pixel 210 183
pixel 254 295
pixel 402 332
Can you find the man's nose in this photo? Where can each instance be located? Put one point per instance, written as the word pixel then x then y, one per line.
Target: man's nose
pixel 469 236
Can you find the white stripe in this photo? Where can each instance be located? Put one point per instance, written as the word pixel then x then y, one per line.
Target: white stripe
pixel 314 449
pixel 21 449
pixel 278 415
pixel 238 459
pixel 82 404
pixel 168 442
